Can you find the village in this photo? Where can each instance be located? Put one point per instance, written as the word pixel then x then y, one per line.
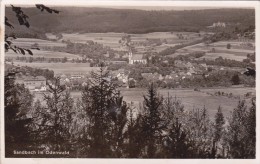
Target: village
pixel 182 70
pixel 159 82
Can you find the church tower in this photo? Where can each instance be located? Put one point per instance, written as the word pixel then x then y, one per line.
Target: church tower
pixel 130 55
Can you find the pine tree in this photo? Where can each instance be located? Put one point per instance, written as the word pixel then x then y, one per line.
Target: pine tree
pixel 53 118
pixel 173 108
pixel 219 123
pixel 134 143
pixel 251 130
pixel 119 122
pixel 177 144
pixel 200 132
pixel 152 122
pixel 237 137
pixel 106 115
pixel 17 101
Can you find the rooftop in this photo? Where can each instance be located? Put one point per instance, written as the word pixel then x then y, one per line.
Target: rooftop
pixel 137 57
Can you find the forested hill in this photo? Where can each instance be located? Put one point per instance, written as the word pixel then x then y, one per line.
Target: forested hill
pixel 128 20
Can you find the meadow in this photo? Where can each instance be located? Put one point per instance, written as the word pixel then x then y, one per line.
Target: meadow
pixel 111 39
pixel 236 52
pixel 193 99
pixel 43 53
pixel 61 68
pixel 28 42
pixel 190 99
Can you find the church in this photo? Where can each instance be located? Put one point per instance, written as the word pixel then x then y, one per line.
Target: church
pixel 136 59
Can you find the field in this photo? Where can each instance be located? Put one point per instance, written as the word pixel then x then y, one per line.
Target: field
pixel 193 99
pixel 61 68
pixel 112 39
pixel 236 52
pixel 28 42
pixel 43 53
pixel 190 99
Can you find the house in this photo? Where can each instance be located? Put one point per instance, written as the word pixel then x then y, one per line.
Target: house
pixel 122 76
pixel 64 81
pixel 40 89
pixel 172 76
pixel 75 76
pixel 179 64
pixel 136 59
pixel 152 76
pixel 218 24
pixel 32 82
pixel 204 65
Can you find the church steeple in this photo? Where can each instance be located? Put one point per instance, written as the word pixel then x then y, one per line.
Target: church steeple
pixel 130 55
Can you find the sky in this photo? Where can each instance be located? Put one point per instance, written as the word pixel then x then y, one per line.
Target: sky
pixel 160 7
pixel 178 8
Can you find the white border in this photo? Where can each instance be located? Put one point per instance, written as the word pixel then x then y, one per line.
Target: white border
pixel 98 3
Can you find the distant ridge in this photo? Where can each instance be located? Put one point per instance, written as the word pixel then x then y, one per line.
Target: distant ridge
pixel 79 19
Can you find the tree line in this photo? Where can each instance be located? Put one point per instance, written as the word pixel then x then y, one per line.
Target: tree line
pixel 132 21
pixel 102 125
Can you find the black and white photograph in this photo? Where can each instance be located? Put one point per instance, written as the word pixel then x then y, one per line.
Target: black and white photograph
pixel 132 82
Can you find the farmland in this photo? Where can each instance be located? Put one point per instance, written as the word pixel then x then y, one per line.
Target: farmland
pixel 156 41
pixel 236 52
pixel 193 99
pixel 28 42
pixel 159 41
pixel 45 54
pixel 61 68
pixel 112 39
pixel 190 99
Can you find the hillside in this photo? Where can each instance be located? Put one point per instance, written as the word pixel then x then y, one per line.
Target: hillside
pixel 75 19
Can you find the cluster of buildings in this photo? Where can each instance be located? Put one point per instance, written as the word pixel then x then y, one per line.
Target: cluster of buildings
pixel 33 83
pixel 74 80
pixel 218 24
pixel 183 70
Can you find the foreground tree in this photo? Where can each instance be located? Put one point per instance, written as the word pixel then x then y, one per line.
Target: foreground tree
pixel 241 132
pixel 219 132
pixel 18 102
pixel 106 116
pixel 251 130
pixel 177 143
pixel 236 130
pixel 218 126
pixel 53 119
pixel 134 143
pixel 200 132
pixel 152 123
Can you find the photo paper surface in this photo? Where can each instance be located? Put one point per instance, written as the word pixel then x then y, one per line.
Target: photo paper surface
pixel 93 81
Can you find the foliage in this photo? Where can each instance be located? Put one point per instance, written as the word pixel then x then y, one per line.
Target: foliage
pixel 228 46
pixel 18 103
pixel 134 21
pixel 106 115
pixel 219 125
pixel 200 130
pixel 235 80
pixel 52 121
pixel 23 21
pixel 241 132
pixel 152 122
pixel 101 124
